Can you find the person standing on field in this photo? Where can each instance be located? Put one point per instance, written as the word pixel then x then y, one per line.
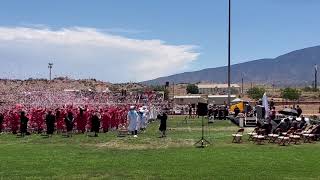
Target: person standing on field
pixel 133 119
pixel 163 123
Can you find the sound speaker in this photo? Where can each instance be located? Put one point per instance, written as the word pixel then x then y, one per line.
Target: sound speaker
pixel 260 112
pixel 202 109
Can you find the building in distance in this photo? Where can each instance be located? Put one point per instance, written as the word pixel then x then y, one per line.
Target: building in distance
pixel 218 88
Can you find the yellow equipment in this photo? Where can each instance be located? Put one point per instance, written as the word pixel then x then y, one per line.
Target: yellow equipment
pixel 240 105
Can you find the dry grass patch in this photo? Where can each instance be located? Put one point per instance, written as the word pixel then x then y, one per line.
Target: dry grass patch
pixel 147 143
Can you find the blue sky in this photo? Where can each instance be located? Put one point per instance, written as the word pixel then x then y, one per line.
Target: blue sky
pixel 260 29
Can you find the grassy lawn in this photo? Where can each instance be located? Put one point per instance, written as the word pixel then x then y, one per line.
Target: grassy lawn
pixel 150 157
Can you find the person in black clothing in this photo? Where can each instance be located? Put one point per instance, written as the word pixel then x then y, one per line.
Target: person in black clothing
pixel 267 127
pixel 210 112
pixel 23 123
pixel 285 125
pixel 299 110
pixel 215 112
pixel 271 104
pixel 69 122
pixel 163 123
pixel 220 113
pixel 50 119
pixel 236 111
pixel 273 113
pixel 294 124
pixel 190 111
pixel 225 112
pixel 1 121
pixel 95 124
pixel 302 122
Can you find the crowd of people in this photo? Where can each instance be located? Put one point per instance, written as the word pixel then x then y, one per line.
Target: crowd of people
pixel 73 111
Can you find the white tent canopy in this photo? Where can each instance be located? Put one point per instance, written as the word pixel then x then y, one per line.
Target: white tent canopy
pixel 237 100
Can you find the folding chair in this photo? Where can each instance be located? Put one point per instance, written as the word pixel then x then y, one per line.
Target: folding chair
pixel 274 136
pixel 295 136
pixel 122 132
pixel 253 133
pixel 309 136
pixel 284 138
pixel 237 137
pixel 308 130
pixel 260 137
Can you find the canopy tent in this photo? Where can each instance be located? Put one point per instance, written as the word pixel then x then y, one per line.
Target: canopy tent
pixel 237 100
pixel 289 112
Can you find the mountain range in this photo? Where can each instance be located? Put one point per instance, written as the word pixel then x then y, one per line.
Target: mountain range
pixel 292 69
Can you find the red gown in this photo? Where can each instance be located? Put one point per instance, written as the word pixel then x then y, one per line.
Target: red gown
pixel 105 121
pixel 60 121
pixel 15 122
pixel 39 120
pixel 113 120
pixel 81 121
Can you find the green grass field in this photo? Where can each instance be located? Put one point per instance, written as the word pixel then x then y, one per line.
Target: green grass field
pixel 150 157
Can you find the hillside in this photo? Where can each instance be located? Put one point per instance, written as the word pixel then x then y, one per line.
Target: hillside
pixel 294 68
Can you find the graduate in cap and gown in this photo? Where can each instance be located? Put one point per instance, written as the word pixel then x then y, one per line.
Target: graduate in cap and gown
pixel 50 120
pixel 60 120
pixel 82 120
pixel 23 123
pixel 95 123
pixel 106 121
pixel 142 119
pixel 133 119
pixel 69 122
pixel 14 121
pixel 1 121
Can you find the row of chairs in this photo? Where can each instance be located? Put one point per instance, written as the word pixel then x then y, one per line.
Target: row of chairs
pixel 259 136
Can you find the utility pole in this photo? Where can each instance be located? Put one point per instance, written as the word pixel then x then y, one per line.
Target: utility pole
pixel 229 53
pixel 50 67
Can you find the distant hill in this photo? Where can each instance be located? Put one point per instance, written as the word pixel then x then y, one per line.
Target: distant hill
pixel 294 68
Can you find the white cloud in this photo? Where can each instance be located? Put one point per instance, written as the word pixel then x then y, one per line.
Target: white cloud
pixel 88 53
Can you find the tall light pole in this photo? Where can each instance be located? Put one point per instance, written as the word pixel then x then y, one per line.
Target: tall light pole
pixel 173 95
pixel 242 83
pixel 229 52
pixel 50 67
pixel 315 77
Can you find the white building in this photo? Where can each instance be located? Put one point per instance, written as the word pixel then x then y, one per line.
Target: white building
pixel 216 88
pixel 220 99
pixel 188 99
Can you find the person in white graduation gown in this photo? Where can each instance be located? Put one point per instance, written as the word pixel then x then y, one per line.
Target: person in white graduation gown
pixel 133 119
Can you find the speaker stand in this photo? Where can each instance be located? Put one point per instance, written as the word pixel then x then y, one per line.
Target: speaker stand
pixel 202 142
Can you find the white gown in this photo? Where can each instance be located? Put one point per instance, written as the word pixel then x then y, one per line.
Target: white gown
pixel 142 121
pixel 147 116
pixel 133 120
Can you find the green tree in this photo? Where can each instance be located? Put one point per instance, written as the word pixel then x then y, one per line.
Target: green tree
pixel 290 94
pixel 158 88
pixel 256 92
pixel 234 90
pixel 307 89
pixel 166 94
pixel 192 89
